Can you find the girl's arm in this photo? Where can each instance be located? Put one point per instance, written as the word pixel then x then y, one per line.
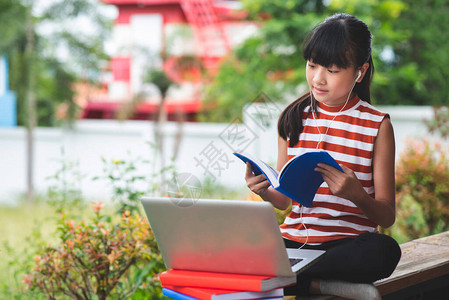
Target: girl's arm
pixel 261 186
pixel 382 208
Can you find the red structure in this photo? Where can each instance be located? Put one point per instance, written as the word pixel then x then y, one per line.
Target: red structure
pixel 177 36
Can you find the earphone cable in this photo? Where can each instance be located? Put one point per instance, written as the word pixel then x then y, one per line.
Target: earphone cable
pixel 307 230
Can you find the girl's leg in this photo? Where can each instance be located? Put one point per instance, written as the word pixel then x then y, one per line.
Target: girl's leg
pixel 364 259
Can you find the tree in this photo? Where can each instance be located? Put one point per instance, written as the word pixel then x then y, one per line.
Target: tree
pixel 163 83
pixel 38 75
pixel 54 75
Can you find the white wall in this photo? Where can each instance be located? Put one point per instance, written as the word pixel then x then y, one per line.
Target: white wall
pixel 210 144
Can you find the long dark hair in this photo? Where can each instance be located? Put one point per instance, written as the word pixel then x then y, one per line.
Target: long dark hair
pixel 343 41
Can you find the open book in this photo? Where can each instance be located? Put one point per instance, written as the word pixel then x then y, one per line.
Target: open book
pixel 297 179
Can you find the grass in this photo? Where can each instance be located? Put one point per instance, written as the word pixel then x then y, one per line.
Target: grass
pixel 19 225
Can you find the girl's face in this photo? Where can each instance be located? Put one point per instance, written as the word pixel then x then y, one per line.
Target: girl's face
pixel 332 85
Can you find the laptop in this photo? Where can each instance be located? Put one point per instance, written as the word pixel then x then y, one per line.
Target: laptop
pixel 226 236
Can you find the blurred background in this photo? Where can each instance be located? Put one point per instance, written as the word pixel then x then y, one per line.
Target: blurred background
pixel 110 100
pixel 161 80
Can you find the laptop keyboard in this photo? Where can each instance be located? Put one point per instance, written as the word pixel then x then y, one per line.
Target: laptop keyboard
pixel 294 261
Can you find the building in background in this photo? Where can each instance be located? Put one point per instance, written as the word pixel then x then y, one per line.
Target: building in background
pixel 181 37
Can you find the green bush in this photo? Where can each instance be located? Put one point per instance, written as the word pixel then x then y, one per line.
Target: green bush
pixel 93 257
pixel 422 190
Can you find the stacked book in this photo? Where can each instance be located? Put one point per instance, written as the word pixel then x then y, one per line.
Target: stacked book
pixel 183 284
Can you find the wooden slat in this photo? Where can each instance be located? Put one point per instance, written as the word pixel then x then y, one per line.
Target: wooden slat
pixel 422 260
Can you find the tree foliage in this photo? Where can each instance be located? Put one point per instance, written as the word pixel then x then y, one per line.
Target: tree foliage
pixel 272 61
pixel 424 53
pixel 12 14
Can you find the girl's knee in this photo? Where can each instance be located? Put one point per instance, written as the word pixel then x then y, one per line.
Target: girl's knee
pixel 392 255
pixel 388 252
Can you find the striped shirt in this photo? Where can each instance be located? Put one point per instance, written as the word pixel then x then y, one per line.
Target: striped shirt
pixel 350 141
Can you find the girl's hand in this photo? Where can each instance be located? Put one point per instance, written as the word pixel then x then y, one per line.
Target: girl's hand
pixel 344 185
pixel 257 184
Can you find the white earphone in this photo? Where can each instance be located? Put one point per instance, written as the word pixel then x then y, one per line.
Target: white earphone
pixel 359 75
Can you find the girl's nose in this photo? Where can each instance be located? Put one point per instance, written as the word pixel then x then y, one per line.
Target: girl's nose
pixel 318 77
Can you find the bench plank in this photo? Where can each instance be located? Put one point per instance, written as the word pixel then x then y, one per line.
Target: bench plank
pixel 422 260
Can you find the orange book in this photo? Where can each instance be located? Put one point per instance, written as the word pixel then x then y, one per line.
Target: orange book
pixel 225 281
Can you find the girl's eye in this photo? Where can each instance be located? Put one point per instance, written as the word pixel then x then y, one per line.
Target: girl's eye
pixel 311 66
pixel 333 71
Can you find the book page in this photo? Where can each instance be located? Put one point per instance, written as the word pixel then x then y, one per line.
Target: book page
pixel 270 173
pixel 272 170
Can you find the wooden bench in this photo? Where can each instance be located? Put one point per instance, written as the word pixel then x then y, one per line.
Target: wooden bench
pixel 422 272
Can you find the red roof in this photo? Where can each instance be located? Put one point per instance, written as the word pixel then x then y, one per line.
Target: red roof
pixel 144 111
pixel 140 2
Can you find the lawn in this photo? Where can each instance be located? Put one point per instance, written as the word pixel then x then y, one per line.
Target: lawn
pixel 19 225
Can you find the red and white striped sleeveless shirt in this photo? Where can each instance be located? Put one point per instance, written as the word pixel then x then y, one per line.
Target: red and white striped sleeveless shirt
pixel 350 141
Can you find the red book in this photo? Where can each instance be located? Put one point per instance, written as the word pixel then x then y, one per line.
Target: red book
pixel 225 281
pixel 219 294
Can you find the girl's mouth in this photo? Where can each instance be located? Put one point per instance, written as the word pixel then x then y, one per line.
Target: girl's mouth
pixel 319 91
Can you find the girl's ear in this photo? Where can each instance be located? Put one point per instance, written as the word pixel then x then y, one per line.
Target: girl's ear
pixel 363 69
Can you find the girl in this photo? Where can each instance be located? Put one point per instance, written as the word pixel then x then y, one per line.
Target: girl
pixel 336 116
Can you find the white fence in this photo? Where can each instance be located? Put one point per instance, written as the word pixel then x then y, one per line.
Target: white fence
pixel 205 148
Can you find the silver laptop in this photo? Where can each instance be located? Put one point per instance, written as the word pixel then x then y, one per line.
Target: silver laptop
pixel 229 236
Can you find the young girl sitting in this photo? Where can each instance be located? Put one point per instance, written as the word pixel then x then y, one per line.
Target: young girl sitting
pixel 336 116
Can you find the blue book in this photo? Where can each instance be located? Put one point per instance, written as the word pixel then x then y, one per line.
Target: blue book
pixel 297 179
pixel 186 292
pixel 176 295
